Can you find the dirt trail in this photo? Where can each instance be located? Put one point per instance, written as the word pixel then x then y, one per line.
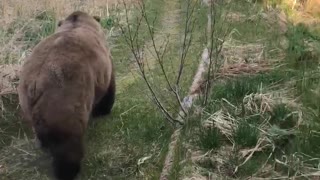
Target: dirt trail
pixel 169 27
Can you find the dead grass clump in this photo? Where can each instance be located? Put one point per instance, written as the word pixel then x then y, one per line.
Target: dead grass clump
pixel 239 59
pixel 262 104
pixel 9 78
pixel 200 165
pixel 206 165
pixel 276 17
pixel 235 17
pixel 195 177
pixel 243 59
pixel 265 102
pixel 236 52
pixel 222 120
pixel 234 70
pixel 8 82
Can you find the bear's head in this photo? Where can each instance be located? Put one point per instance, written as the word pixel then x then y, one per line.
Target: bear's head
pixel 80 19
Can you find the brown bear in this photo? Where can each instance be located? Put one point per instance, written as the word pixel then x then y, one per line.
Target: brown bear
pixel 68 78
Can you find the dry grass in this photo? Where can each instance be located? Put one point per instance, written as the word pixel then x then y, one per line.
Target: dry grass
pixel 223 121
pixel 262 110
pixel 237 52
pixel 313 7
pixel 13 9
pixel 274 16
pixel 241 59
pixel 19 158
pixel 8 78
pixel 17 17
pixel 245 58
pixel 304 11
pixel 13 48
pixel 257 103
pixel 235 17
pixel 8 82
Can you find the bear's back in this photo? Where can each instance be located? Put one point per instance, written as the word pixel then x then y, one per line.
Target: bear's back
pixel 68 55
pixel 63 69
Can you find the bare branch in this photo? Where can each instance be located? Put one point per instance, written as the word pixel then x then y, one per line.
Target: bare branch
pixel 215 45
pixel 132 40
pixel 186 41
pixel 158 55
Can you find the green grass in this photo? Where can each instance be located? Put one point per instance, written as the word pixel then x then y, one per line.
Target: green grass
pixel 180 155
pixel 292 129
pixel 124 59
pixel 299 54
pixel 136 129
pixel 307 142
pixel 236 89
pixel 116 144
pixel 252 26
pixel 210 138
pixel 46 23
pixel 10 125
pixel 307 86
pixel 246 135
pixel 251 166
pixel 21 35
pixel 283 117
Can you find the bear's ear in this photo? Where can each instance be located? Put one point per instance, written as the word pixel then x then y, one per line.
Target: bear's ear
pixel 74 18
pixel 60 23
pixel 97 18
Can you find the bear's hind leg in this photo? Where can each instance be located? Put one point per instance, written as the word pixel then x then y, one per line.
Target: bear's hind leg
pixel 105 105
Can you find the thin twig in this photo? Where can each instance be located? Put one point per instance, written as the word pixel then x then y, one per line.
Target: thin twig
pixel 132 40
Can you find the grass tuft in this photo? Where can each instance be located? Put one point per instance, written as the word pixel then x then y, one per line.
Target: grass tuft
pixel 210 138
pixel 283 117
pixel 246 135
pixel 302 51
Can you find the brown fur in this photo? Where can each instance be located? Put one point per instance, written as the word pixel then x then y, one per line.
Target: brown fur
pixel 68 77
